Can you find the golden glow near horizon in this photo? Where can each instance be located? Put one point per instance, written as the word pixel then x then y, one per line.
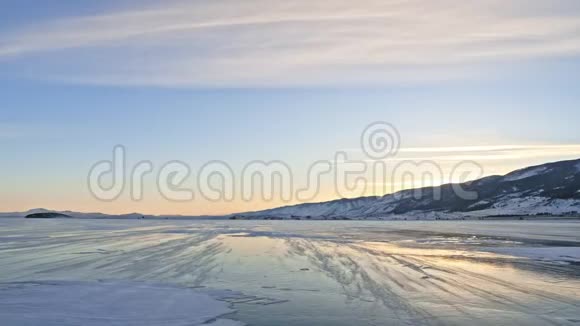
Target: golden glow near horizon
pixel 495 160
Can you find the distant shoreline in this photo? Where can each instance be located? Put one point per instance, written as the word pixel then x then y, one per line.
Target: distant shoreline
pixel 391 219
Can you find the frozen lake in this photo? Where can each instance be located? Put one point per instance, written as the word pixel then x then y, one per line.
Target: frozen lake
pixel 289 272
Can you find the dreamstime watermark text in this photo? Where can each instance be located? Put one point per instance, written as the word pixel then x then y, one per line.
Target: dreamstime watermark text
pixel 379 172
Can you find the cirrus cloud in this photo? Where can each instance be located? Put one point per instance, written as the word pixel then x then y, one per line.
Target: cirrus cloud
pixel 292 43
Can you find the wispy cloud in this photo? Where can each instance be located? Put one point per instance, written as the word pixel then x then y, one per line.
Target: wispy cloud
pixel 494 148
pixel 280 43
pixel 498 153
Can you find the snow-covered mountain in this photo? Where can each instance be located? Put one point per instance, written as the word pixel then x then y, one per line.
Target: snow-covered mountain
pixel 548 189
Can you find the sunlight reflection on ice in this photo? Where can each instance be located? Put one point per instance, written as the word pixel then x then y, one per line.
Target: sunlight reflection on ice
pixel 328 273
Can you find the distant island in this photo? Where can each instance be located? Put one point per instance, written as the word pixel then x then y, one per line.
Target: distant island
pixel 47 215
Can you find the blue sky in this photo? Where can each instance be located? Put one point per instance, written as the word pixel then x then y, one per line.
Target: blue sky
pixel 262 80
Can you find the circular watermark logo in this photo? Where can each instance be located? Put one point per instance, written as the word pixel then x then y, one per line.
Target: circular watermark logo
pixel 380 140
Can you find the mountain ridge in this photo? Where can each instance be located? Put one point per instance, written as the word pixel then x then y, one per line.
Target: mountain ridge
pixel 546 189
pixel 550 189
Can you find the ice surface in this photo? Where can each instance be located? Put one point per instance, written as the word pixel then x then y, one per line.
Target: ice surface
pixel 553 254
pixel 294 273
pixel 108 303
